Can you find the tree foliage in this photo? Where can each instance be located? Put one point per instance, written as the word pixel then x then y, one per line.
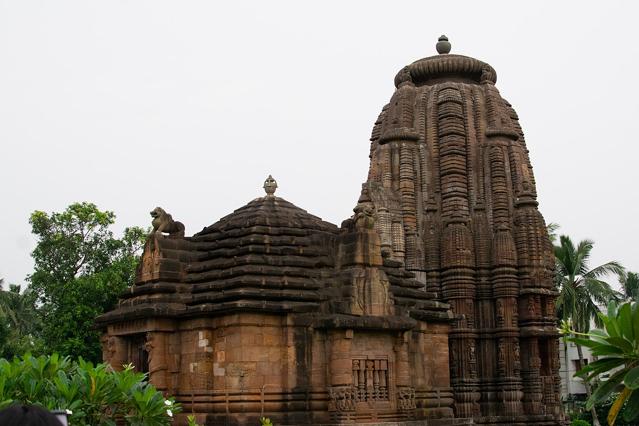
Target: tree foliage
pixel 95 394
pixel 19 322
pixel 630 285
pixel 616 346
pixel 582 289
pixel 80 269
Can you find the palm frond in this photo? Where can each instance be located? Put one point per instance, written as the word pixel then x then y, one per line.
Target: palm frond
pixel 552 228
pixel 608 268
pixel 583 256
pixel 582 291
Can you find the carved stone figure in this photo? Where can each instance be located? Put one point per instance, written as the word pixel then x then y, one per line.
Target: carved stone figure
pixel 148 347
pixel 163 223
pixel 500 311
pixel 406 398
pixel 342 398
pixel 363 218
pixel 531 306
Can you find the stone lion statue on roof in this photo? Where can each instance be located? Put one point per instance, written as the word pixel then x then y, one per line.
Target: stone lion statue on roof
pixel 163 223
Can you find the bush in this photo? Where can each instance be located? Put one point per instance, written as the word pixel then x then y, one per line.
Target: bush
pixel 95 395
pixel 579 423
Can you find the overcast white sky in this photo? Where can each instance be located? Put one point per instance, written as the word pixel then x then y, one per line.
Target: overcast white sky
pixel 189 105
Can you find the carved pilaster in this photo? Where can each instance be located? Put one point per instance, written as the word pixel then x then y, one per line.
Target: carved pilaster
pixel 114 351
pixel 156 347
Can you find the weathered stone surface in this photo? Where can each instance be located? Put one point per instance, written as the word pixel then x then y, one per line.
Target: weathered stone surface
pixel 451 177
pixel 431 305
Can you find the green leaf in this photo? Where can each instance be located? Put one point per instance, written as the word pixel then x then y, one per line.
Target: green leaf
pixel 612 309
pixel 621 343
pixel 583 342
pixel 598 335
pixel 616 406
pixel 611 326
pixel 604 389
pixel 603 350
pixel 625 321
pixel 635 319
pixel 631 411
pixel 599 366
pixel 631 379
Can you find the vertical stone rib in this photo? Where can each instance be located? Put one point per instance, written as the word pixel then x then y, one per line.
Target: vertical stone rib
pixel 387 175
pixel 504 257
pixel 457 245
pixel 407 191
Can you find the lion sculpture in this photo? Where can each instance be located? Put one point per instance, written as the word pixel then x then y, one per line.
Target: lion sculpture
pixel 163 223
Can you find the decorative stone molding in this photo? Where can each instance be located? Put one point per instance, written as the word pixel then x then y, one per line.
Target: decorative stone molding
pixel 341 398
pixel 406 398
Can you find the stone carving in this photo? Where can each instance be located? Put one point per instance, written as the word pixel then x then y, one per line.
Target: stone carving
pixel 270 185
pixel 341 398
pixel 108 348
pixel 406 398
pixel 148 347
pixel 470 314
pixel 163 223
pixel 443 45
pixel 531 306
pixel 370 380
pixel 454 363
pixel 364 218
pixel 472 359
pixel 500 313
pixel 501 358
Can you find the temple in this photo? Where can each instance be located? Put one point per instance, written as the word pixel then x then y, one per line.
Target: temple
pixel 432 305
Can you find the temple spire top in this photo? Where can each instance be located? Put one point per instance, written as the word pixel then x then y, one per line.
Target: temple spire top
pixel 270 185
pixel 443 45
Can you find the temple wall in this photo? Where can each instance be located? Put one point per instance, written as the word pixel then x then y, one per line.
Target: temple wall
pixel 428 351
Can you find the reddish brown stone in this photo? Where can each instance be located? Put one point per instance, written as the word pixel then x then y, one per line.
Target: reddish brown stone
pixel 431 305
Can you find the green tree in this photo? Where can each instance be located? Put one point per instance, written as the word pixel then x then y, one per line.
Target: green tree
pixel 552 228
pixel 630 285
pixel 616 345
pixel 18 321
pixel 581 289
pixel 80 269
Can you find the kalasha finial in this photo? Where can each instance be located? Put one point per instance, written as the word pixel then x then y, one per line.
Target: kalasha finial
pixel 270 185
pixel 443 45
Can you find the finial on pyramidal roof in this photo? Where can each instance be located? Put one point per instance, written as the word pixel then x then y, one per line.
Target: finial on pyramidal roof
pixel 443 45
pixel 270 185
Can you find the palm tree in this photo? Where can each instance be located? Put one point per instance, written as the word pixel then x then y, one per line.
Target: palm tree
pixel 630 285
pixel 552 228
pixel 19 318
pixel 582 290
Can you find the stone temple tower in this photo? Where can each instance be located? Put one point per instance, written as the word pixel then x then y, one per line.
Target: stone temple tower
pixel 433 305
pixel 453 189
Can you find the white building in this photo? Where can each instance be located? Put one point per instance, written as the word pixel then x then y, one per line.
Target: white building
pixel 570 385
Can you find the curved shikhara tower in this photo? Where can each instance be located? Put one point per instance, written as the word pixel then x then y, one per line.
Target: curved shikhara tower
pixel 454 194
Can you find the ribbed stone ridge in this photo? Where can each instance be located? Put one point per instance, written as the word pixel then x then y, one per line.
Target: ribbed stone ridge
pixel 265 211
pixel 446 66
pixel 267 255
